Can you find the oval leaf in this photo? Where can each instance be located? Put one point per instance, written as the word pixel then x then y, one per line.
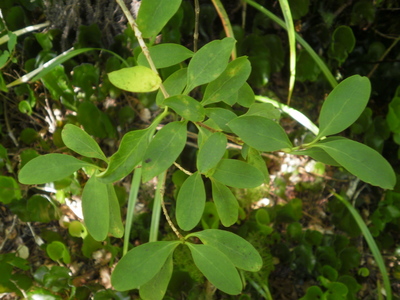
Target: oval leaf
pixel 239 251
pixel 174 85
pixel 344 105
pixel 217 268
pixel 255 159
pixel 136 79
pixel 211 152
pixel 238 174
pixel 221 117
pixel 229 82
pixel 141 264
pixel 190 202
pixel 260 133
pixel 164 149
pixel 82 143
pixel 187 107
pixel 57 251
pixel 165 55
pixel 156 288
pixel 49 168
pixel 154 14
pixel 9 189
pixel 209 62
pixel 246 95
pixel 225 202
pixel 129 155
pixel 95 208
pixel 362 161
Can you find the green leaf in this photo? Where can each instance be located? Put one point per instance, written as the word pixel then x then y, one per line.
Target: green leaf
pixel 217 268
pixel 393 115
pixel 136 79
pixel 255 159
pixel 116 227
pixel 58 84
pixel 266 110
pixel 86 76
pixel 239 251
pixel 57 251
pixel 226 203
pixel 238 174
pixel 165 55
pixel 260 133
pixel 25 107
pixel 221 117
pixel 129 155
pixel 77 229
pixel 174 85
pixel 187 107
pixel 343 42
pixel 141 264
pixel 154 14
pixel 306 67
pixel 299 8
pixel 190 202
pixel 211 152
pixel 313 293
pixel 164 149
pixel 49 168
pixel 209 62
pixel 156 288
pixel 79 141
pixel 94 121
pixel 229 82
pixel 3 86
pixel 41 209
pixel 360 160
pixel 246 95
pixel 96 208
pixel 9 190
pixel 344 105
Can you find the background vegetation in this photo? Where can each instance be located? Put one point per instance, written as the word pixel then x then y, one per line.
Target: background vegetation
pixel 309 241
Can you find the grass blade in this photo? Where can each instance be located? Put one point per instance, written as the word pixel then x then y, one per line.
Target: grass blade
pixel 287 14
pixel 324 68
pixel 51 64
pixel 371 244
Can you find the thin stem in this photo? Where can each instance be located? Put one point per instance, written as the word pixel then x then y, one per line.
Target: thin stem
pixel 178 234
pixel 136 178
pixel 329 76
pixel 261 287
pixel 140 39
pixel 383 57
pixel 5 38
pixel 182 169
pixel 158 199
pixel 244 13
pixel 294 113
pixel 10 133
pixel 229 137
pixel 196 25
pixel 226 23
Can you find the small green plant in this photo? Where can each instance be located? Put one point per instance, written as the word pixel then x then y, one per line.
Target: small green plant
pixel 207 92
pixel 150 153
